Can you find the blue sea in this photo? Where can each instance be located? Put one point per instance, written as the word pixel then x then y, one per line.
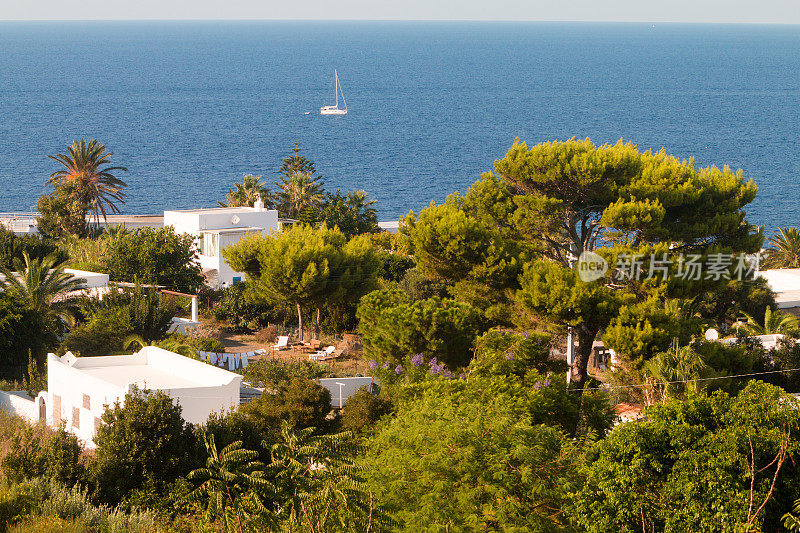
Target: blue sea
pixel 189 107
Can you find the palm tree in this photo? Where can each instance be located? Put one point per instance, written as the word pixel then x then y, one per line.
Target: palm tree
pixel 301 191
pixel 231 486
pixel 774 323
pixel 246 193
pixel 134 341
pixel 43 285
pixel 321 486
pixel 360 201
pixel 84 168
pixel 678 365
pixel 784 251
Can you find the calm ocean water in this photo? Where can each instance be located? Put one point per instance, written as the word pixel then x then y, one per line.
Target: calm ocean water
pixel 189 107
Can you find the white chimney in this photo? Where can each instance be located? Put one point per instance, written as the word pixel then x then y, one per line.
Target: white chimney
pixel 259 204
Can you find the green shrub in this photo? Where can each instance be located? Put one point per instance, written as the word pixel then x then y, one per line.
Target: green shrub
pixel 44 505
pixel 138 311
pixel 16 502
pixel 363 410
pixel 274 374
pixel 301 402
pixel 39 451
pixel 445 329
pixel 12 246
pixel 242 314
pixel 394 266
pixel 158 256
pixel 502 352
pixel 418 286
pixel 101 334
pixel 88 266
pixel 143 443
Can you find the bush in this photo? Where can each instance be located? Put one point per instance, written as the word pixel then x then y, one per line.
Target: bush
pixel 22 331
pixel 242 314
pixel 31 451
pixel 16 502
pixel 501 352
pixel 687 466
pixel 142 444
pixel 418 286
pixel 457 464
pixel 12 246
pixel 301 402
pixel 102 334
pixel 158 256
pixel 140 311
pixel 47 506
pixel 267 335
pixel 275 374
pixel 363 410
pixel 394 266
pixel 444 329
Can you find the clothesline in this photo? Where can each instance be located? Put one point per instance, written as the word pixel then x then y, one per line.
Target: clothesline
pixel 230 360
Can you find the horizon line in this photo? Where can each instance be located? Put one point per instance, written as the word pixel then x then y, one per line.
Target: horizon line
pixel 435 20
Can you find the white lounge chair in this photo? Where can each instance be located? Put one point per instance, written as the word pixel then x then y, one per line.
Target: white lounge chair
pixel 283 343
pixel 322 353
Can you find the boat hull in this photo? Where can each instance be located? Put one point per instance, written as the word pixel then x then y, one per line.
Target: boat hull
pixel 330 110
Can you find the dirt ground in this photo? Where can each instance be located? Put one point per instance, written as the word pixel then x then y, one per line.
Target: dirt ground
pixel 350 363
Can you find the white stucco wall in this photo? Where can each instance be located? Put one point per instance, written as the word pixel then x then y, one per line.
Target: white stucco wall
pixel 200 389
pixel 20 404
pixel 197 221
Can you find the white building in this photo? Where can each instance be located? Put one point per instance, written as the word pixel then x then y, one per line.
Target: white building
pixel 80 388
pixel 216 228
pixel 785 283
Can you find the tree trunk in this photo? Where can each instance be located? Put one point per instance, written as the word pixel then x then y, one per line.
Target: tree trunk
pixel 300 321
pixel 583 352
pixel 316 327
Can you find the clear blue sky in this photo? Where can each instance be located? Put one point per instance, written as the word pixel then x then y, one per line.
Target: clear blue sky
pixel 755 11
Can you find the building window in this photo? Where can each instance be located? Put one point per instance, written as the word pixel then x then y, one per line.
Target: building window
pixel 97 424
pixel 87 402
pixel 237 279
pixel 210 244
pixel 56 409
pixel 76 418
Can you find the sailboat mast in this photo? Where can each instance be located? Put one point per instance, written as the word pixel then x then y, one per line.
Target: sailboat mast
pixel 336 86
pixel 343 100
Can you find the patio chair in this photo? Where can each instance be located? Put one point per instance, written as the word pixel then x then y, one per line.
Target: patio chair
pixel 283 343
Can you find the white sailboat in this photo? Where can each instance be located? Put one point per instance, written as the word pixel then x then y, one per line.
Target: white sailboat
pixel 334 109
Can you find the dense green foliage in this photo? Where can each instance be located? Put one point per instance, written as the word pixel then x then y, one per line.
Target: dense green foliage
pixel 470 465
pixel 300 402
pixel 306 268
pixel 107 323
pixel 12 246
pixel 157 256
pixel 363 410
pixel 85 186
pixel 21 330
pixel 143 445
pixel 689 465
pixel 445 329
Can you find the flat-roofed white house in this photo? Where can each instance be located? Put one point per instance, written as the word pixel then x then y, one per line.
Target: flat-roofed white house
pixel 785 283
pixel 216 228
pixel 80 388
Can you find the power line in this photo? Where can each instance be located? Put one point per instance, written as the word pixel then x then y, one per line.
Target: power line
pixel 616 387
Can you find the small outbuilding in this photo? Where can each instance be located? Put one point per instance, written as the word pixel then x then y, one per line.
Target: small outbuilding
pixel 80 388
